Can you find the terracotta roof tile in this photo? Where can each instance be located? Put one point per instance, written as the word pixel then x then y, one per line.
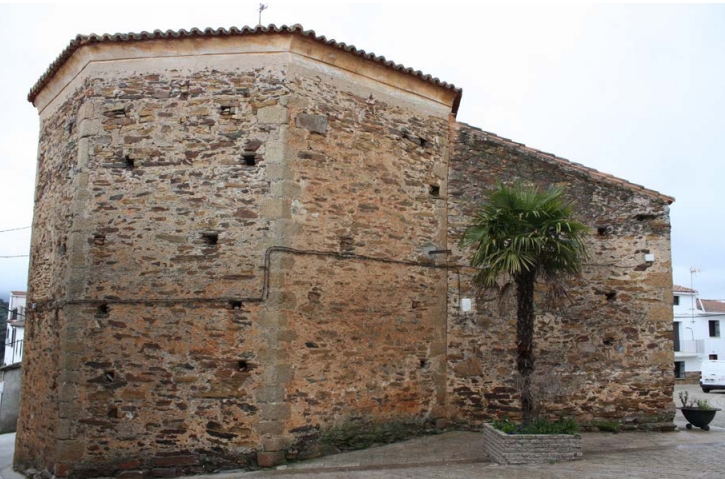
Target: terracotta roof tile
pixel 681 289
pixel 81 40
pixel 577 166
pixel 713 306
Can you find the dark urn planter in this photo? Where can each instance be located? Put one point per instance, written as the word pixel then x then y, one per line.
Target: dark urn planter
pixel 698 417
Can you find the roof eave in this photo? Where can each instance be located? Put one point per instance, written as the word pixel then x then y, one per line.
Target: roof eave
pixel 82 40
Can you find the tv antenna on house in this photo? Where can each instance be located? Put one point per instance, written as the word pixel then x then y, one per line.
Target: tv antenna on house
pixel 693 271
pixel 262 7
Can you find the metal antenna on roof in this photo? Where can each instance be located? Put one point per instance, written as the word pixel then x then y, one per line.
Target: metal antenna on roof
pixel 692 287
pixel 262 7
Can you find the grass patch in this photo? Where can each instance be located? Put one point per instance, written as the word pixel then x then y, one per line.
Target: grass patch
pixel 353 436
pixel 538 426
pixel 607 426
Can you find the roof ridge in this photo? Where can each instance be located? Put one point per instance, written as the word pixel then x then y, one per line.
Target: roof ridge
pixel 81 40
pixel 577 166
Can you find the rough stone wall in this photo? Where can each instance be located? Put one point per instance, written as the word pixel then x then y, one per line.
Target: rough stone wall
pixel 167 386
pixel 49 267
pixel 358 303
pixel 178 211
pixel 249 270
pixel 153 341
pixel 608 346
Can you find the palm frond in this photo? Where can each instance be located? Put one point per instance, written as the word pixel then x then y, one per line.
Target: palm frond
pixel 519 229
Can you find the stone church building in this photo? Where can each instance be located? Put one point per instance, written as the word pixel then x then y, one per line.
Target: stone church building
pixel 245 248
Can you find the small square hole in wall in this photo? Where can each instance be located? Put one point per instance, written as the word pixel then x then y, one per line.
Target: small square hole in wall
pixel 243 366
pixel 116 113
pixel 611 295
pixel 110 376
pixel 347 244
pixel 103 309
pixel 250 159
pixel 226 110
pixel 129 162
pixel 235 304
pixel 210 239
pixel 604 230
pixel 434 190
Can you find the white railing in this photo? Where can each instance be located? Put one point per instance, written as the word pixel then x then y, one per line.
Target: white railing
pixel 696 346
pixel 16 352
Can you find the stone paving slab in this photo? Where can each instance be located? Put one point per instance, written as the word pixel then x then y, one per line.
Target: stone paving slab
pixel 449 447
pixel 460 455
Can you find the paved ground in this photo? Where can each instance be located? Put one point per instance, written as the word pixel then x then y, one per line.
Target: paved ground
pixel 692 454
pixel 673 455
pixel 7 448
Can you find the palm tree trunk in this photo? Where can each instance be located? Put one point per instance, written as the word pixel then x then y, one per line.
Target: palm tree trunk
pixel 525 340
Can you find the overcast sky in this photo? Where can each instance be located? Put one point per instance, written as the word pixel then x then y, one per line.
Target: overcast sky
pixel 635 91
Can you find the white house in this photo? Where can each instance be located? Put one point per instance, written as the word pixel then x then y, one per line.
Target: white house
pixel 697 331
pixel 10 370
pixel 15 328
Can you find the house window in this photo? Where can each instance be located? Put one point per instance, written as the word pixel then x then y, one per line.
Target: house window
pixel 714 329
pixel 676 332
pixel 712 357
pixel 679 369
pixel 676 300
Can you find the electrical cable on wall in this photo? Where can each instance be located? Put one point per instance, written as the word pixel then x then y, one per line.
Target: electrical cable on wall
pixel 264 294
pixel 11 311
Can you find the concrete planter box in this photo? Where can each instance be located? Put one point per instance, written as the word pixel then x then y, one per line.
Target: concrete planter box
pixel 530 448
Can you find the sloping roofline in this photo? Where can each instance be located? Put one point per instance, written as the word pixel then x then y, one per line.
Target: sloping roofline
pixel 712 306
pixel 551 158
pixel 81 40
pixel 681 289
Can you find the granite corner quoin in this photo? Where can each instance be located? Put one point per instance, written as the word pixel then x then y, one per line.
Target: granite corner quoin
pixel 245 250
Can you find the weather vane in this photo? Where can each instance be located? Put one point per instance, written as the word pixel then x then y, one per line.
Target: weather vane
pixel 262 7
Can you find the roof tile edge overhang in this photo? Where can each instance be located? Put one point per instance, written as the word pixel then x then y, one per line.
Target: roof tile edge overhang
pixel 682 289
pixel 82 40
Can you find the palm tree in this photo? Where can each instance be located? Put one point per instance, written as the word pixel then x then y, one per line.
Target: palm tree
pixel 522 234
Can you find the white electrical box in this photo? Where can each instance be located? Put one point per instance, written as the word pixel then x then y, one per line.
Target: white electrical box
pixel 466 305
